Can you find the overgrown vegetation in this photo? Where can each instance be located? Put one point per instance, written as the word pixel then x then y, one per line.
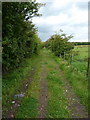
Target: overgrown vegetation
pixel 19 34
pixel 21 55
pixel 73 61
pixel 12 82
pixel 57 103
pixel 59 44
pixel 76 73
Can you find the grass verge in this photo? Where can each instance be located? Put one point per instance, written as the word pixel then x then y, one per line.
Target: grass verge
pixel 77 80
pixel 11 82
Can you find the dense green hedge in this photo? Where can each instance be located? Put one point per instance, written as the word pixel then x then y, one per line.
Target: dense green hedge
pixel 59 44
pixel 81 43
pixel 19 34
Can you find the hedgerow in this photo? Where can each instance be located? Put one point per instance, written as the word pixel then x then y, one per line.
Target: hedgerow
pixel 59 44
pixel 20 39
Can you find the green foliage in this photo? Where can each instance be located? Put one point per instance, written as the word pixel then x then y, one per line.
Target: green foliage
pixel 59 44
pixel 19 34
pixel 81 43
pixel 12 82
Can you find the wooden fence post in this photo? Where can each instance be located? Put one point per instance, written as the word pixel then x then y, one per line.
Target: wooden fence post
pixel 88 67
pixel 64 55
pixel 70 58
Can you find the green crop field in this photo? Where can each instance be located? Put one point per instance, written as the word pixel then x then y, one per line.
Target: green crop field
pixel 82 51
pixel 80 60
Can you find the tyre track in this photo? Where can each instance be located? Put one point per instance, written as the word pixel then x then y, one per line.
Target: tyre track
pixel 43 94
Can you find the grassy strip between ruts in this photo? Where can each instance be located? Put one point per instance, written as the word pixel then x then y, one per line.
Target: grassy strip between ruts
pixel 57 103
pixel 12 82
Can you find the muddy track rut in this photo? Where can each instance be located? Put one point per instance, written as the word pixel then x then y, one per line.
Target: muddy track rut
pixel 43 94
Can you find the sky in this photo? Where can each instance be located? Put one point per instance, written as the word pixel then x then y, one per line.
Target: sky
pixel 69 15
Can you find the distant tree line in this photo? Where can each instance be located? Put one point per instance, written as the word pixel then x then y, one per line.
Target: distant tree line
pixel 20 39
pixel 59 44
pixel 81 43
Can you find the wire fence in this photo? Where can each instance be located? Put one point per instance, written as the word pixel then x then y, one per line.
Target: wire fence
pixel 75 56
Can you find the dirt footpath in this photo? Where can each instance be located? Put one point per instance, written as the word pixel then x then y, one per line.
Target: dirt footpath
pixel 43 94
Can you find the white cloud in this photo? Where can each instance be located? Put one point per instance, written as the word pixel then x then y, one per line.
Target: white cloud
pixel 60 1
pixel 66 15
pixel 53 20
pixel 78 16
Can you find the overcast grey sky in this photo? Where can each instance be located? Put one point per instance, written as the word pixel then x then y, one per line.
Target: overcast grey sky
pixel 69 15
